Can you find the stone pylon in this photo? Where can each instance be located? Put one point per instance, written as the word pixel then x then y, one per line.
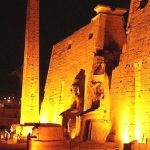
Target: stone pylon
pixel 30 85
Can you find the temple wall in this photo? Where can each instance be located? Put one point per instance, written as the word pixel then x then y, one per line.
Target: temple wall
pixel 80 51
pixel 96 124
pixel 130 104
pixel 68 58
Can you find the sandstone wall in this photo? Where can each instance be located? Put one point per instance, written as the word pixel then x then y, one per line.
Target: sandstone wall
pixel 77 52
pixel 68 58
pixel 130 104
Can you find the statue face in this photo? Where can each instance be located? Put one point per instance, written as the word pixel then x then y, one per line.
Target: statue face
pixel 75 90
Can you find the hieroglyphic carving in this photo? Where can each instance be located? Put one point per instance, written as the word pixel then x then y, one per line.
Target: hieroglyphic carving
pixel 30 87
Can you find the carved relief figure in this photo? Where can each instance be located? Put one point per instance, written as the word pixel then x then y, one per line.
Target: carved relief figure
pixel 97 93
pixel 97 89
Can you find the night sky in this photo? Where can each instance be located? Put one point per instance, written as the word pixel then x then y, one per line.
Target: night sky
pixel 58 19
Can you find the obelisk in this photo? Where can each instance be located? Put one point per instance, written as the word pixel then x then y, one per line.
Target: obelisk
pixel 30 84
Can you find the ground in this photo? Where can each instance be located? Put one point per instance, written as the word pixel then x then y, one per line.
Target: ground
pixel 21 146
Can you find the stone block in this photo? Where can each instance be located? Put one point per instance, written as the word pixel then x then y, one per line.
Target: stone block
pixel 50 132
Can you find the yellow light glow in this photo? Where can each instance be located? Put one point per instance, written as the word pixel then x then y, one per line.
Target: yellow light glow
pixel 43 119
pixel 125 132
pixel 46 112
pixel 73 134
pixel 78 126
pixel 22 131
pixel 133 124
pixel 26 130
pixel 125 136
pixel 50 112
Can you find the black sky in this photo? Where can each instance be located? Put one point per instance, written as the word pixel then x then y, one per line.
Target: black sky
pixel 58 19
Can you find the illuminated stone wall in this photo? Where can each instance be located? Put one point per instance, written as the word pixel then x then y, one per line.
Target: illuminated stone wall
pixel 73 54
pixel 97 122
pixel 30 87
pixel 130 89
pixel 68 57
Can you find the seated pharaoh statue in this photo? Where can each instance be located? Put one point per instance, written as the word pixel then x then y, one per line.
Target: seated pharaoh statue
pixel 70 115
pixel 78 95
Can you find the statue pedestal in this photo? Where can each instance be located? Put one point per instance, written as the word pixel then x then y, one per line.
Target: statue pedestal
pixel 94 127
pixel 50 132
pixel 47 136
